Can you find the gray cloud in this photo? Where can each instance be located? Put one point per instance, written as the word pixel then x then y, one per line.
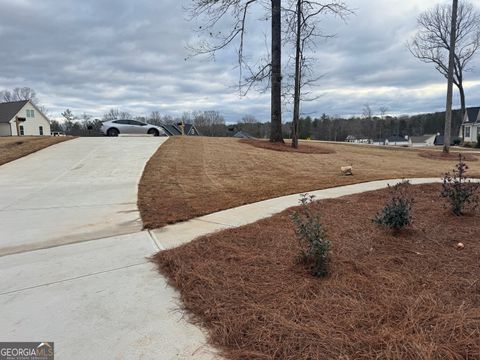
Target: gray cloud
pixel 97 54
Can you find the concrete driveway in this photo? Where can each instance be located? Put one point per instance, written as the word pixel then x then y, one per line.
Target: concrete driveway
pixel 77 190
pixel 73 259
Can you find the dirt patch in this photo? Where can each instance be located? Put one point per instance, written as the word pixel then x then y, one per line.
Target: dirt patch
pixel 410 296
pixel 286 147
pixel 192 176
pixel 440 155
pixel 12 148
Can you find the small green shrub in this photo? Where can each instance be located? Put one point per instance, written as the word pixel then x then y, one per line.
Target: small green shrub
pixel 458 189
pixel 477 144
pixel 315 248
pixel 457 141
pixel 397 213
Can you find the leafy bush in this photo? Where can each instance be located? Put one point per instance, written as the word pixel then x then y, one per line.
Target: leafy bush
pixel 315 248
pixel 458 189
pixel 457 141
pixel 477 144
pixel 397 213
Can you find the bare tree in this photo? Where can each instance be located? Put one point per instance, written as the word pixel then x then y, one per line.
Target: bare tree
pixel 19 94
pixel 305 25
pixel 383 110
pixel 155 118
pixel 68 115
pixel 431 44
pixel 367 112
pixel 237 11
pixel 115 114
pixel 451 65
pixel 249 119
pixel 209 123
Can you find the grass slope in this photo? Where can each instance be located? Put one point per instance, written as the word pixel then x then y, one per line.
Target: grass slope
pixel 13 147
pixel 193 176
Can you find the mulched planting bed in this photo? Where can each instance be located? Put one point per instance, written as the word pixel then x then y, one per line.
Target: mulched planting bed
pixel 439 155
pixel 405 296
pixel 287 147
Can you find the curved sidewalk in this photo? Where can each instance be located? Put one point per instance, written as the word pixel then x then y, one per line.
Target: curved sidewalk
pixel 175 235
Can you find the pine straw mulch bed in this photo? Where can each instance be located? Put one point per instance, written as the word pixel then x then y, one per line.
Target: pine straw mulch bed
pixel 410 296
pixel 440 155
pixel 287 147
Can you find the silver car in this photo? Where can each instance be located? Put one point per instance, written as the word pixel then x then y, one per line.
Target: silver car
pixel 116 127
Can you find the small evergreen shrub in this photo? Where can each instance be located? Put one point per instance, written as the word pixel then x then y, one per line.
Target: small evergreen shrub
pixel 397 213
pixel 458 189
pixel 315 248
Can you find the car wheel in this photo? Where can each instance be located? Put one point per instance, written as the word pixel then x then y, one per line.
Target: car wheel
pixel 112 132
pixel 153 132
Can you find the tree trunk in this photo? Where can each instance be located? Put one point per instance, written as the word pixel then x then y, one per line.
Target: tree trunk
pixel 298 74
pixel 462 101
pixel 448 114
pixel 276 105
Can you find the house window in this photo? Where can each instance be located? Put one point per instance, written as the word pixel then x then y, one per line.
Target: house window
pixel 467 131
pixel 30 113
pixel 40 130
pixel 22 130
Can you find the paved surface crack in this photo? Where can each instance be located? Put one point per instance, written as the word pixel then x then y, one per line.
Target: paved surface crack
pixel 71 279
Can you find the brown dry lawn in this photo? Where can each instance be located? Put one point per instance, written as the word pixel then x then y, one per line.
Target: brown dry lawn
pixel 400 297
pixel 13 147
pixel 193 176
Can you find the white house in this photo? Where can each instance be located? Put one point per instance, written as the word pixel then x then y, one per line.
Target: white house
pixel 422 141
pixel 471 125
pixel 22 118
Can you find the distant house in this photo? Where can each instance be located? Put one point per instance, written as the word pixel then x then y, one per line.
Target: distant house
pixel 471 125
pixel 424 140
pixel 243 135
pixel 397 141
pixel 175 130
pixel 19 118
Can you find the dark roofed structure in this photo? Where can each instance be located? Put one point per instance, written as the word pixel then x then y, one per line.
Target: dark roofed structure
pixel 171 130
pixel 9 109
pixel 191 130
pixel 243 135
pixel 472 115
pixel 175 130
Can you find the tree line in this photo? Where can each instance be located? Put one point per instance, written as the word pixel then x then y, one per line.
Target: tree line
pixel 328 128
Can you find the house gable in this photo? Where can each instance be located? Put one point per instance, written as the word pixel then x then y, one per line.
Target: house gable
pixel 9 110
pixel 472 115
pixel 34 122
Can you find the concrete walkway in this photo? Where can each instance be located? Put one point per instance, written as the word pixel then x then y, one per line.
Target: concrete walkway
pixel 177 234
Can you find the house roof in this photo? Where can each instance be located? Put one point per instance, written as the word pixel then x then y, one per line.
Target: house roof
pixel 472 115
pixel 171 130
pixel 242 135
pixel 397 139
pixel 9 109
pixel 190 129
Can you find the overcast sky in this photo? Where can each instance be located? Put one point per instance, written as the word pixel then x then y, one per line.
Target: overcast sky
pixel 93 55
